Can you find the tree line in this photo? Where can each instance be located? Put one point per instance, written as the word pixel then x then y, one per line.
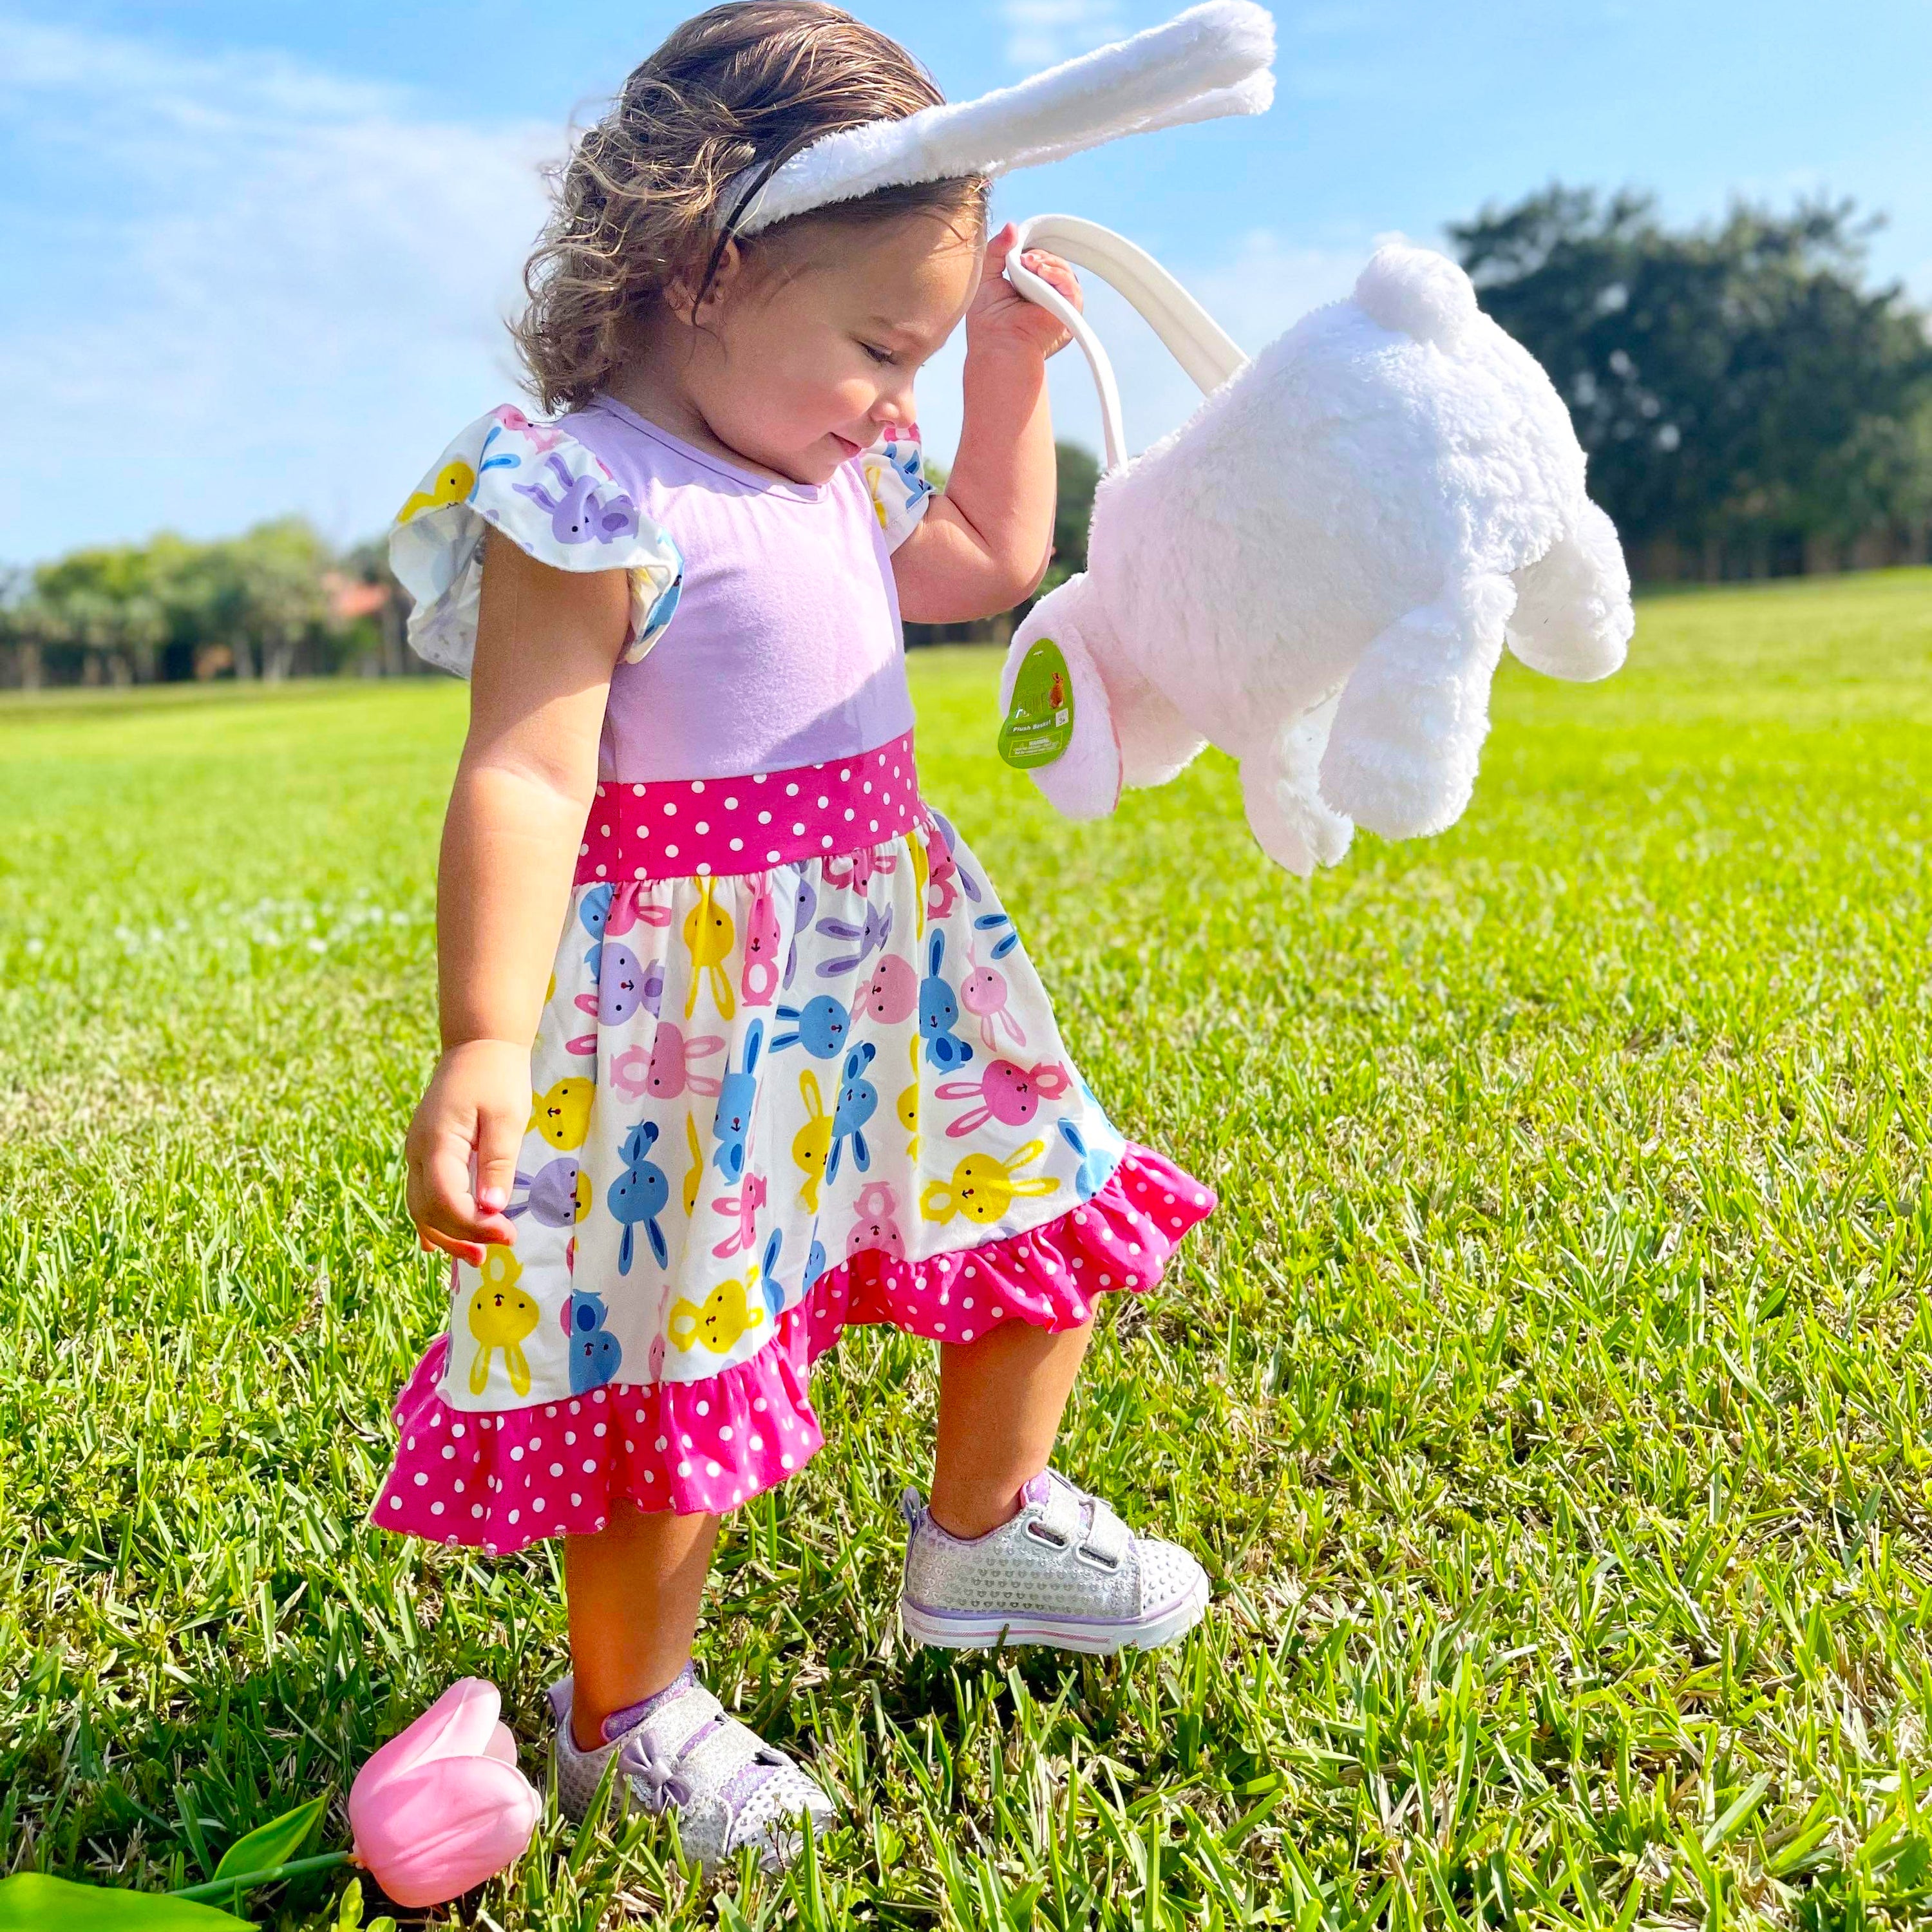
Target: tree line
pixel 1750 405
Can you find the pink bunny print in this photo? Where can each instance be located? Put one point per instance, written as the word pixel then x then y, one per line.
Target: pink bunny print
pixel 744 1205
pixel 983 994
pixel 892 991
pixel 1006 1092
pixel 763 934
pixel 876 1227
pixel 671 1071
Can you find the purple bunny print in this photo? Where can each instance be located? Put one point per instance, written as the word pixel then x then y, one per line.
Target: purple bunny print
pixel 588 508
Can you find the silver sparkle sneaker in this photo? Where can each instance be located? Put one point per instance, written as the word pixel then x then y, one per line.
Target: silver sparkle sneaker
pixel 1065 1571
pixel 681 1749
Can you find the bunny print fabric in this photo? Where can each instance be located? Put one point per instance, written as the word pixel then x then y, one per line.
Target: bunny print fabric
pixel 807 1079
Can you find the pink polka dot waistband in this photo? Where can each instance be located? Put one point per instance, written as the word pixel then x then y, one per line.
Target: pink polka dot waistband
pixel 679 828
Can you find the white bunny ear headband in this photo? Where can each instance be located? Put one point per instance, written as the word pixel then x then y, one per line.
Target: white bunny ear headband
pixel 1210 61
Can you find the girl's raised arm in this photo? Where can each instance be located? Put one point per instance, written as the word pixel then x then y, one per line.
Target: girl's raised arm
pixel 547 641
pixel 986 541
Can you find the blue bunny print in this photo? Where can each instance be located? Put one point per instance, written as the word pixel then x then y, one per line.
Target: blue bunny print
pixel 737 1092
pixel 595 1352
pixel 939 1010
pixel 1094 1165
pixel 858 1101
pixel 819 1026
pixel 768 1274
pixel 639 1194
pixel 998 922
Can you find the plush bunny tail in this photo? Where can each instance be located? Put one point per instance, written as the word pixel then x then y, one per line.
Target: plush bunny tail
pixel 1573 617
pixel 1416 292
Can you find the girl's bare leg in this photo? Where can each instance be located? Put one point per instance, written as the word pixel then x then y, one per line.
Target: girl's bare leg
pixel 633 1589
pixel 1000 1400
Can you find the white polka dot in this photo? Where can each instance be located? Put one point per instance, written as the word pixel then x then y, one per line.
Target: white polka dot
pixel 600 871
pixel 844 773
pixel 724 1433
pixel 395 1502
pixel 422 1481
pixel 538 1503
pixel 475 1509
pixel 435 1509
pixel 686 1440
pixel 630 1447
pixel 576 1498
pixel 771 856
pixel 825 840
pixel 459 1485
pixel 757 1443
pixel 638 874
pixel 823 802
pixel 704 825
pixel 730 804
pixel 758 778
pixel 798 828
pixel 636 790
pixel 791 791
pixel 604 831
pixel 703 1408
pixel 449 1453
pixel 758 1403
pixel 785 1461
pixel 1106 1281
pixel 556 1468
pixel 764 818
pixel 671 851
pixel 684 1469
pixel 589 1466
pixel 698 784
pixel 671 807
pixel 514 1514
pixel 712 1469
pixel 517 1453
pixel 965 1334
pixel 999 1314
pixel 575 1407
pixel 967 1303
pixel 737 844
pixel 569 1436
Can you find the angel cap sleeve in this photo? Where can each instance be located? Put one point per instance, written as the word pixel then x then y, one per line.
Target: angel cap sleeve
pixel 895 473
pixel 553 498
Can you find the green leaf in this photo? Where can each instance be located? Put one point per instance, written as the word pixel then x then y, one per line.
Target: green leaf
pixel 34 1902
pixel 273 1843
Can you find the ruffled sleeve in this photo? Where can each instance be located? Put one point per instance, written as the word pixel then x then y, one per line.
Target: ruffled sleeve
pixel 895 480
pixel 550 497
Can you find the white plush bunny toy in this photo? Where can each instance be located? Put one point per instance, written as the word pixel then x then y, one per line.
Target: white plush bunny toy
pixel 1319 572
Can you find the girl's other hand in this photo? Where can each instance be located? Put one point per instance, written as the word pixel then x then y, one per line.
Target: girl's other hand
pixel 475 1109
pixel 1000 314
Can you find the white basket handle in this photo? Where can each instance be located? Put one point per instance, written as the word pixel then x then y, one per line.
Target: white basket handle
pixel 1197 342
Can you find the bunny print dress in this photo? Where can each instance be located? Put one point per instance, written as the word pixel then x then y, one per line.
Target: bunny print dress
pixel 794 1069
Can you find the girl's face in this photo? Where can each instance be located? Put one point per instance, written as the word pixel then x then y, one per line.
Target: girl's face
pixel 802 355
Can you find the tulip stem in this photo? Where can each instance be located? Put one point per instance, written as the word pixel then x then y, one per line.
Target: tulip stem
pixel 219 1888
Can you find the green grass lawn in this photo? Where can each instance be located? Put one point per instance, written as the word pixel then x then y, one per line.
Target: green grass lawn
pixel 1545 1398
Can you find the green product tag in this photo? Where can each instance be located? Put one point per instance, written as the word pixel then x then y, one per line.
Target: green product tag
pixel 1040 721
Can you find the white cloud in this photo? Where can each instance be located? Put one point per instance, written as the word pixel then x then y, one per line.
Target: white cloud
pixel 297 298
pixel 1039 32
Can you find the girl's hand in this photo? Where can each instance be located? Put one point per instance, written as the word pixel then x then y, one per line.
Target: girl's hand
pixel 1000 313
pixel 476 1107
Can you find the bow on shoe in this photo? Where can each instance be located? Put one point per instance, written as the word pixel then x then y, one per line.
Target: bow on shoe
pixel 656 1770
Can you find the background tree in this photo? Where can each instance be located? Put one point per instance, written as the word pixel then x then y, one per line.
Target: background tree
pixel 1737 387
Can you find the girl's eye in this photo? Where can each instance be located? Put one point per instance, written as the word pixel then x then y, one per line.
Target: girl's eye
pixel 878 354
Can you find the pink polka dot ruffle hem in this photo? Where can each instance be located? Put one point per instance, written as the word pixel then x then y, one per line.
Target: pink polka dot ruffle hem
pixel 501 1481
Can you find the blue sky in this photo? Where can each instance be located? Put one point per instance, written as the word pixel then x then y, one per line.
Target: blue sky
pixel 256 257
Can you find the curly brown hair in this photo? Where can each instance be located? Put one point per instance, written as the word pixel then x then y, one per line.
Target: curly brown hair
pixel 639 205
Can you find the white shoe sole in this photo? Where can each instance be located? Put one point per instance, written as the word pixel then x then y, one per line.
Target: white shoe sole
pixel 956 1630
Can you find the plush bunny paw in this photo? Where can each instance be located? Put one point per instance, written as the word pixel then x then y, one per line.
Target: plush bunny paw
pixel 1083 780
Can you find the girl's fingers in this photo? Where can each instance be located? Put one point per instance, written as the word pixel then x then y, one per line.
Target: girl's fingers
pixel 446 1206
pixel 500 1137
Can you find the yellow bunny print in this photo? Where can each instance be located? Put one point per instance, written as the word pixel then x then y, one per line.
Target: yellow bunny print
pixel 812 1143
pixel 501 1315
pixel 708 934
pixel 453 484
pixel 909 1103
pixel 731 1309
pixel 983 1186
pixel 922 872
pixel 694 1174
pixel 561 1113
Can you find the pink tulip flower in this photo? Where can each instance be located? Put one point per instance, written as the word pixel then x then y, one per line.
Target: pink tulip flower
pixel 442 1806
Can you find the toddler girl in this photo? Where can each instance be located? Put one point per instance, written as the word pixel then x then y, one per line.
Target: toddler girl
pixel 792 1069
